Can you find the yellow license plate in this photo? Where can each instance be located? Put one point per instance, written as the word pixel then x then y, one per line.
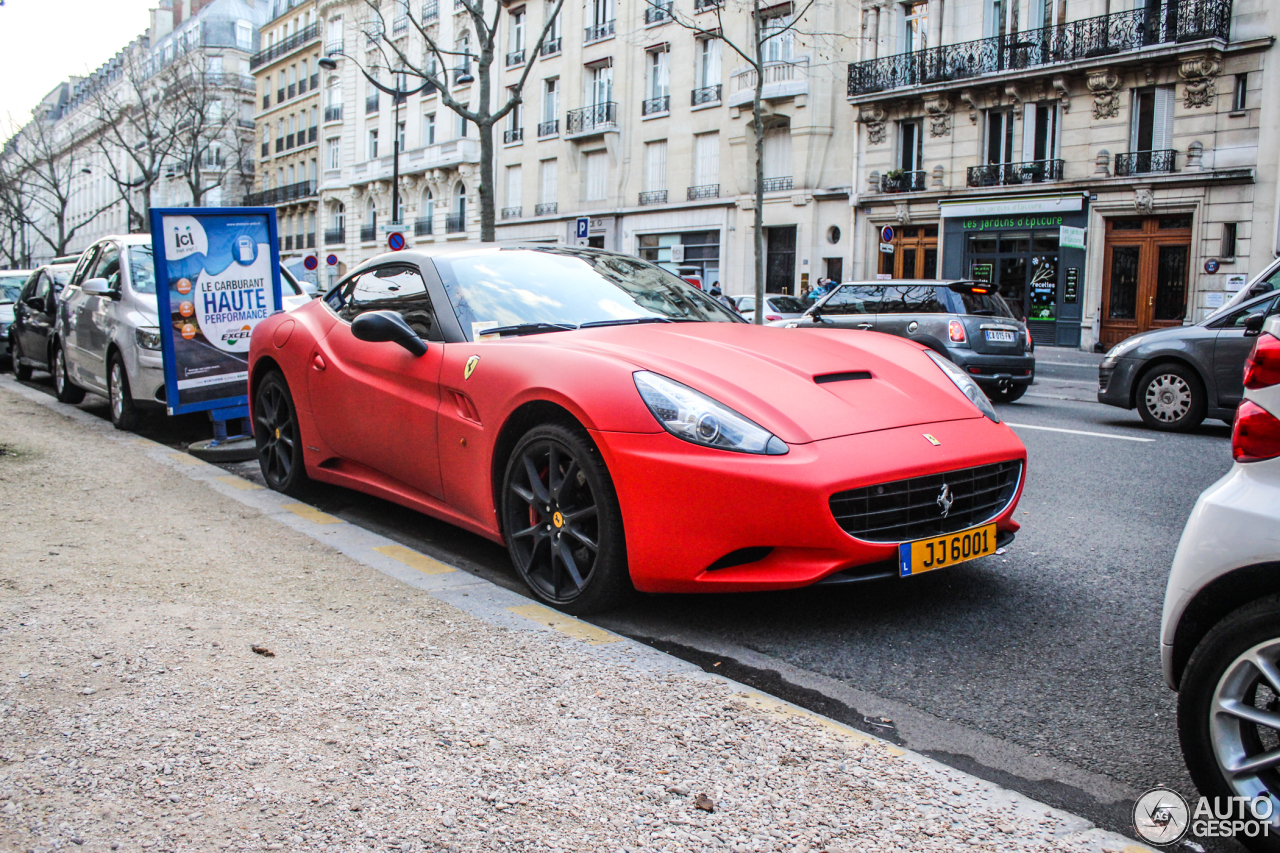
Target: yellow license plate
pixel 925 555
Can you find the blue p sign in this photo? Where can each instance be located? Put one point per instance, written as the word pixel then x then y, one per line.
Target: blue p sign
pixel 582 225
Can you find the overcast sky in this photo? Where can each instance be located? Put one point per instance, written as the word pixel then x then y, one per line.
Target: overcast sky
pixel 43 42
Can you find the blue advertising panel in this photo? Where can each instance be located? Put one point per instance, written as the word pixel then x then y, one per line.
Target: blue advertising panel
pixel 217 276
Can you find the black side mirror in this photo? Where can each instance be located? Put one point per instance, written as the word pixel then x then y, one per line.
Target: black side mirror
pixel 1253 324
pixel 387 326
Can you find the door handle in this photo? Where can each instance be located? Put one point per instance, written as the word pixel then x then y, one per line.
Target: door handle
pixel 864 326
pixel 318 362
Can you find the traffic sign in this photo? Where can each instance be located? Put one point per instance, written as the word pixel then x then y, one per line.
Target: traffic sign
pixel 311 262
pixel 583 225
pixel 395 241
pixel 886 234
pixel 332 260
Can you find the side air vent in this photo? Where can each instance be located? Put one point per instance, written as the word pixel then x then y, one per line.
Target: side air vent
pixel 740 557
pixel 842 377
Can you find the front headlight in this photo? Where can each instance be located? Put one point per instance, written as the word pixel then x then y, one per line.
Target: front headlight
pixel 966 385
pixel 695 417
pixel 148 337
pixel 1118 350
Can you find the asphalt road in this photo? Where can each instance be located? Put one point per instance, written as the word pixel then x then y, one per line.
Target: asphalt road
pixel 1037 669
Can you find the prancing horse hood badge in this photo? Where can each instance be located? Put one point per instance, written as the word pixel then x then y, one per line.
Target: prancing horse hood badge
pixel 471 367
pixel 931 439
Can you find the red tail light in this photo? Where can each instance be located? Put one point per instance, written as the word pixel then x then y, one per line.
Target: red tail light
pixel 955 331
pixel 1256 434
pixel 772 317
pixel 1030 343
pixel 1262 369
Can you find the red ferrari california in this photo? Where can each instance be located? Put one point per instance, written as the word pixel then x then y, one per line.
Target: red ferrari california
pixel 620 430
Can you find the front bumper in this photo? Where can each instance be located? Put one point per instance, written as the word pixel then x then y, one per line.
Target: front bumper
pixel 1115 382
pixel 1233 526
pixel 989 370
pixel 146 380
pixel 685 507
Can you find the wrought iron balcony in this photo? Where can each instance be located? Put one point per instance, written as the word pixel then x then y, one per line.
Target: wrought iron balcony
pixel 656 12
pixel 594 119
pixel 368 233
pixel 333 46
pixel 423 227
pixel 654 197
pixel 430 11
pixel 285 46
pixel 1146 163
pixel 512 212
pixel 1008 174
pixel 514 58
pixel 335 236
pixel 656 105
pixel 597 32
pixel 704 5
pixel 455 223
pixel 547 208
pixel 371 103
pixel 550 47
pixel 549 128
pixel 777 185
pixel 281 195
pixel 400 25
pixel 373 31
pixel 899 181
pixel 706 95
pixel 704 191
pixel 1176 21
pixel 333 113
pixel 513 135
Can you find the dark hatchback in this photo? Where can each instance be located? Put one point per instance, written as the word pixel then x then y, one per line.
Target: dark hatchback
pixel 963 320
pixel 34 313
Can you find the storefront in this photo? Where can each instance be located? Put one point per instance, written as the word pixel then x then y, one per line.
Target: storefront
pixel 687 253
pixel 1031 248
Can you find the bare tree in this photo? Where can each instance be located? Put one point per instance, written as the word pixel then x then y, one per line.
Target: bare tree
pixel 434 68
pixel 133 133
pixel 45 160
pixel 13 249
pixel 752 49
pixel 202 108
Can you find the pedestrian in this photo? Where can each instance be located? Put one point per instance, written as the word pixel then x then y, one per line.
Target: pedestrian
pixel 720 297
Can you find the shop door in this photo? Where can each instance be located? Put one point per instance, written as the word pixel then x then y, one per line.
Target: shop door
pixel 915 253
pixel 780 259
pixel 1145 272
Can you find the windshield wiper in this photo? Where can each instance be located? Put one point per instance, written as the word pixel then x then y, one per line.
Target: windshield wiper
pixel 630 321
pixel 528 329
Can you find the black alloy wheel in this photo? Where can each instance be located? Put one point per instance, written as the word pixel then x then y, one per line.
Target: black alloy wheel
pixel 562 522
pixel 20 370
pixel 66 390
pixel 276 434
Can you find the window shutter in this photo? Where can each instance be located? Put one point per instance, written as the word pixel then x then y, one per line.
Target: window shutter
pixel 513 186
pixel 1162 123
pixel 656 167
pixel 707 162
pixel 549 174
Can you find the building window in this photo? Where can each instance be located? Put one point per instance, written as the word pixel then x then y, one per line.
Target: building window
pixel 462 126
pixel 548 174
pixel 778 34
pixel 777 153
pixel 400 136
pixel 1043 122
pixel 335 154
pixel 550 99
pixel 659 76
pixel 655 166
pixel 515 181
pixel 516 42
pixel 1152 126
pixel 371 145
pixel 1238 95
pixel 915 26
pixel 1228 240
pixel 244 35
pixel 601 82
pixel 429 129
pixel 910 146
pixel 999 137
pixel 708 71
pixel 706 159
pixel 594 187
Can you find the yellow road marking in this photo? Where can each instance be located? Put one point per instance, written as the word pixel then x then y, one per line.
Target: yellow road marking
pixel 312 514
pixel 185 459
pixel 575 628
pixel 411 558
pixel 239 482
pixel 773 706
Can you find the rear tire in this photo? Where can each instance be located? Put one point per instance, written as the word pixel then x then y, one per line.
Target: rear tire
pixel 278 438
pixel 1171 398
pixel 562 522
pixel 66 390
pixel 124 413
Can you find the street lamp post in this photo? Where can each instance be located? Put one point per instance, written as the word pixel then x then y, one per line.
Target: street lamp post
pixel 397 93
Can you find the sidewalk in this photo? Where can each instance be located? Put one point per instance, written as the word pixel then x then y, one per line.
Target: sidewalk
pixel 395 704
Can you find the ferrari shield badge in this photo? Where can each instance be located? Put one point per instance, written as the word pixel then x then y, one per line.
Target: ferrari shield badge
pixel 930 438
pixel 471 367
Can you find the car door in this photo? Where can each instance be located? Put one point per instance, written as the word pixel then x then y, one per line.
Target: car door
pixel 36 315
pixel 376 403
pixel 1230 349
pixel 69 309
pixel 850 306
pixel 95 321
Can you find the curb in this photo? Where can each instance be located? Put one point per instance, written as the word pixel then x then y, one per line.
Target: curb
pixel 500 607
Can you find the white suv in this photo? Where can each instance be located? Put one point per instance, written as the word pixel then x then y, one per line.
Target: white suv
pixel 1220 635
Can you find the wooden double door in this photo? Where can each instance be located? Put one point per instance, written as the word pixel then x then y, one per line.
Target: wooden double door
pixel 914 255
pixel 1146 274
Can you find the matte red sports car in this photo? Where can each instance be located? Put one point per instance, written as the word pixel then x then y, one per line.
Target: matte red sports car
pixel 618 429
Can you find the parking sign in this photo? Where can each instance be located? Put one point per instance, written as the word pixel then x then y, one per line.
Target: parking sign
pixel 583 225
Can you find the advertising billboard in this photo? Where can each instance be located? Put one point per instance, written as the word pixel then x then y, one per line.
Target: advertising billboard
pixel 217 276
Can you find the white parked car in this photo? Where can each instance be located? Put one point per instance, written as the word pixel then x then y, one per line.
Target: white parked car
pixel 1220 634
pixel 107 337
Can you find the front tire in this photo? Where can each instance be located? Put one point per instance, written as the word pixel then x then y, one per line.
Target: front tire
pixel 277 436
pixel 562 521
pixel 20 370
pixel 1229 709
pixel 124 413
pixel 1171 398
pixel 66 390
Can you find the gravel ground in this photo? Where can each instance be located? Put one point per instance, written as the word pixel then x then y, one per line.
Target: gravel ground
pixel 136 714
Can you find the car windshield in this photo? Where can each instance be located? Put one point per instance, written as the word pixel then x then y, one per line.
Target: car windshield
pixel 787 304
pixel 11 286
pixel 142 269
pixel 562 287
pixel 981 304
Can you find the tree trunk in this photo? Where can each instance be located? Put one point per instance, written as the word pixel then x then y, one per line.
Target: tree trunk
pixel 758 235
pixel 488 217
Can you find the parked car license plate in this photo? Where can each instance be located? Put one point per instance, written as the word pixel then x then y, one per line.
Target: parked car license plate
pixel 925 555
pixel 1001 337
